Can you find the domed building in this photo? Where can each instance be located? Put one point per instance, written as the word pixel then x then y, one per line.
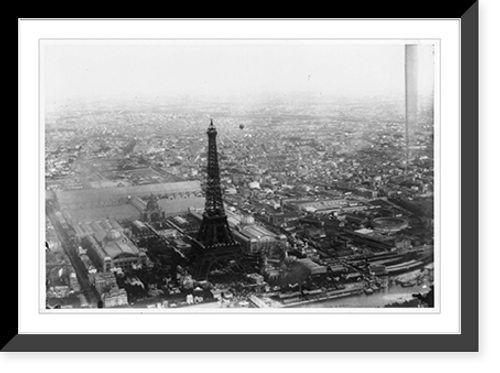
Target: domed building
pixel 109 247
pixel 112 236
pixel 152 212
pixel 254 238
pixel 247 220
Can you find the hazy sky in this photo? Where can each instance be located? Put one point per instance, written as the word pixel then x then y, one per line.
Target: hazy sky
pixel 126 69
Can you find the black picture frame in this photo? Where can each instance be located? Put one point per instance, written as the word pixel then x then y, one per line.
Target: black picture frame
pixel 467 340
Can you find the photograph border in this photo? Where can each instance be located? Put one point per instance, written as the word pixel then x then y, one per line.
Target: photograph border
pixel 467 340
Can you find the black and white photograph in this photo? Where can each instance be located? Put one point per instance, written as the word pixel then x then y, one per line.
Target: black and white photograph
pixel 229 175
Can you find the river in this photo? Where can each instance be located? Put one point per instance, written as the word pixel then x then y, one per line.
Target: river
pixel 393 293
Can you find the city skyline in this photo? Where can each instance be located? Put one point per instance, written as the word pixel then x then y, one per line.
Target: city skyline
pixel 319 202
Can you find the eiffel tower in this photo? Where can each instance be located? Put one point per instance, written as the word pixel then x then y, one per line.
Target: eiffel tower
pixel 214 245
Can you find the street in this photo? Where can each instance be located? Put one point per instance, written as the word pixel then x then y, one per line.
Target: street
pixel 71 251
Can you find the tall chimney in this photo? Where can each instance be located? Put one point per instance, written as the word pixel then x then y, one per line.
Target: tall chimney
pixel 411 95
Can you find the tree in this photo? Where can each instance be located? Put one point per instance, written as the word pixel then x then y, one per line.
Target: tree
pixel 295 274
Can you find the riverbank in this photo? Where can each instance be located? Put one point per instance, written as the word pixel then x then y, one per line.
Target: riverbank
pixel 381 298
pixel 326 297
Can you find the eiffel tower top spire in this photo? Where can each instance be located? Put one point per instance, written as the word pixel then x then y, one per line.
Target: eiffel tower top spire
pixel 213 198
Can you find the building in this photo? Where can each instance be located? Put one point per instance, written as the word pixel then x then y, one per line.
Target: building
pixel 327 206
pixel 377 269
pixel 87 262
pixel 130 203
pixel 103 282
pixel 336 268
pixel 254 185
pixel 252 237
pixel 367 193
pixel 354 218
pixel 152 212
pixel 283 219
pixel 139 229
pixel 155 209
pixel 109 248
pixel 88 228
pixel 271 273
pixel 114 298
pixel 312 268
pixel 73 282
pixel 120 195
pixel 60 291
pixel 256 278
